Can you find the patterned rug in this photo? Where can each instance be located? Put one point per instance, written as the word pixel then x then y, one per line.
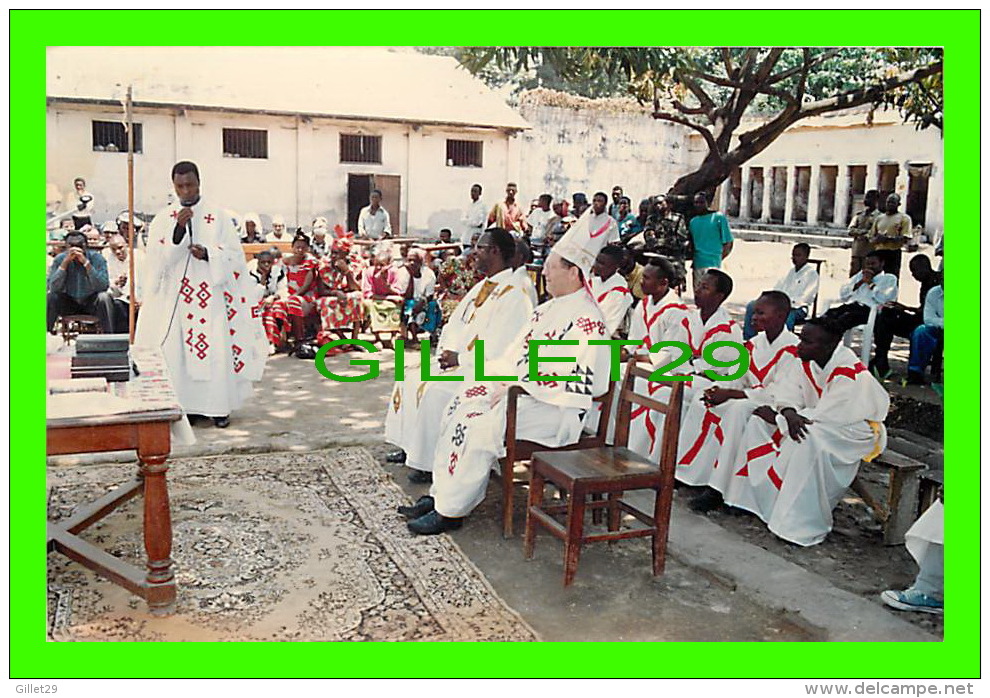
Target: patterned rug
pixel 285 546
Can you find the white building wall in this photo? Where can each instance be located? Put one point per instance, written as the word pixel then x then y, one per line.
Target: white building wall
pixel 301 178
pixel 848 141
pixel 569 151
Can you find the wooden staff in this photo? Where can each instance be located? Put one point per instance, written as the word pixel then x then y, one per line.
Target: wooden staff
pixel 129 117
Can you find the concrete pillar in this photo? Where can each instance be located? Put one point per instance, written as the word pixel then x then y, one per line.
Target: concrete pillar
pixel 744 195
pixel 842 196
pixel 789 195
pixel 813 203
pixel 767 189
pixel 872 176
pixel 724 189
pixel 901 185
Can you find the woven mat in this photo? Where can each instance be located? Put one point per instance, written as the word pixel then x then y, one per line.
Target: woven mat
pixel 283 546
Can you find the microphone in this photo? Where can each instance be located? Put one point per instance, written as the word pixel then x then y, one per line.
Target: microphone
pixel 179 231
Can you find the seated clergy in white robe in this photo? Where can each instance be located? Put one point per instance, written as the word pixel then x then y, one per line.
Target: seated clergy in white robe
pixel 609 288
pixel 473 426
pixel 703 327
pixel 793 471
pixel 198 301
pixel 660 316
pixel 714 420
pixel 495 311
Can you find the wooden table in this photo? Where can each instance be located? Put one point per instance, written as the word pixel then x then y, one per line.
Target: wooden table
pixel 147 432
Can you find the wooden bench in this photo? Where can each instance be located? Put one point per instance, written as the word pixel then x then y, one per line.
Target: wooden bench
pixel 253 248
pixel 895 504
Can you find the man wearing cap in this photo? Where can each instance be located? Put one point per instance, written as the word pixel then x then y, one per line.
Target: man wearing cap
pixel 319 245
pixel 124 227
pixel 889 232
pixel 580 204
pixel 279 233
pixel 198 299
pixel 373 220
pixel 473 426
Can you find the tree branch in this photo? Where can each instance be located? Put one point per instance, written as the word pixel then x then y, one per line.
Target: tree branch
pixel 857 97
pixel 684 121
pixel 727 60
pixel 768 65
pixel 707 103
pixel 791 72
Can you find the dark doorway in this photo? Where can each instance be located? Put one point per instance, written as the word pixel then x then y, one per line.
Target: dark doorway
pixel 887 182
pixel 755 193
pixel 917 197
pixel 802 189
pixel 857 188
pixel 778 193
pixel 735 192
pixel 359 188
pixel 826 193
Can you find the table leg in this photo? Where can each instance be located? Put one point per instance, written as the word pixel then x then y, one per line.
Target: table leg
pixel 160 579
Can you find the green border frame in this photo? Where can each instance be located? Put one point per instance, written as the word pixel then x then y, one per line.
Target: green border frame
pixel 958 656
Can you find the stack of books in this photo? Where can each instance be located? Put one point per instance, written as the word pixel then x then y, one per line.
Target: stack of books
pixel 102 356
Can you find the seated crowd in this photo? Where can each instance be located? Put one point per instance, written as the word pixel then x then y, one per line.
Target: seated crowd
pixel 782 439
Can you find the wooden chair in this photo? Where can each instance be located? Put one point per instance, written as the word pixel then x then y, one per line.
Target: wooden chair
pixel 608 470
pixel 522 450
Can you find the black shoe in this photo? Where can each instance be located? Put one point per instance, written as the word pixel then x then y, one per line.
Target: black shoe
pixel 221 422
pixel 396 457
pixel 707 501
pixel 423 505
pixel 433 523
pixel 420 477
pixel 915 378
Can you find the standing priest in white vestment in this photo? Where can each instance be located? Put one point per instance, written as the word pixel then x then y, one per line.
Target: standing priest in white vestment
pixel 494 311
pixel 472 427
pixel 796 462
pixel 197 303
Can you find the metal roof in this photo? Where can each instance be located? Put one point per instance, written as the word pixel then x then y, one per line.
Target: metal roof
pixel 368 83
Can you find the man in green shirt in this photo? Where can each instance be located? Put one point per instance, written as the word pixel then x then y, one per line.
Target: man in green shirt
pixel 710 236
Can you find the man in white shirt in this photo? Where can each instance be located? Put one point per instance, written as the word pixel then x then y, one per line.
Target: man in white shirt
pixel 118 272
pixel 474 219
pixel 926 337
pixel 869 288
pixel 541 221
pixel 602 224
pixel 373 221
pixel 800 283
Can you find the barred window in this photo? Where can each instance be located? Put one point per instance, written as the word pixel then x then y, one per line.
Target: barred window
pixel 355 148
pixel 464 153
pixel 111 137
pixel 245 143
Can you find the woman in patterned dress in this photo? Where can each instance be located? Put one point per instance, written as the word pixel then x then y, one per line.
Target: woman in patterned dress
pixel 383 287
pixel 456 277
pixel 339 301
pixel 300 276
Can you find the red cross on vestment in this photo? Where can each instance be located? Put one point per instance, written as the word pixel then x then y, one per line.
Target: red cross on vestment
pixel 208 218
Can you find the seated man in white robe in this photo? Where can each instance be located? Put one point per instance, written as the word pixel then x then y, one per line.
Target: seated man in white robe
pixel 561 392
pixel 713 422
pixel 798 460
pixel 495 311
pixel 610 289
pixel 661 316
pixel 702 327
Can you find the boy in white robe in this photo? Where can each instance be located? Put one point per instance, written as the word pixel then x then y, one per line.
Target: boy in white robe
pixel 198 303
pixel 609 288
pixel 473 426
pixel 714 421
pixel 495 311
pixel 703 327
pixel 798 460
